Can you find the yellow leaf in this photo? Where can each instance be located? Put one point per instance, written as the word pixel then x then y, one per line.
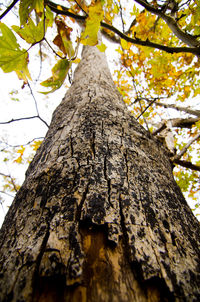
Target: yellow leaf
pixel 36 145
pixel 77 60
pixel 125 45
pixel 18 160
pixel 102 47
pixel 93 21
pixel 21 150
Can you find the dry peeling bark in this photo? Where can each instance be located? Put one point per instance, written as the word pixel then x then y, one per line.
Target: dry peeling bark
pixel 99 216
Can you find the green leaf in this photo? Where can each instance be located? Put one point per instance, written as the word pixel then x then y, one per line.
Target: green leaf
pixel 26 7
pixel 49 17
pixel 12 58
pixel 30 32
pixel 59 73
pixel 90 35
pixel 38 6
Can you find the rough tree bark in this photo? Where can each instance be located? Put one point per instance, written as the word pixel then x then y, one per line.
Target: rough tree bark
pixel 99 216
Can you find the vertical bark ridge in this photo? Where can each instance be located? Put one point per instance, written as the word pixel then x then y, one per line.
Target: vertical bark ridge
pixel 99 216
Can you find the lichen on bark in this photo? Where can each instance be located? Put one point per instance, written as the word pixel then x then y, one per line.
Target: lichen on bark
pixel 99 216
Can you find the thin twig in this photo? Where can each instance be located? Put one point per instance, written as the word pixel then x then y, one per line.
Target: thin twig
pixel 121 15
pixel 31 91
pixel 54 50
pixel 18 119
pixel 24 118
pixel 146 108
pixel 16 146
pixel 11 179
pixel 141 109
pixel 81 8
pixel 10 195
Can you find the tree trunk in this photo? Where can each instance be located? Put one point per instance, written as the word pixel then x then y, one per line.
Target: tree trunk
pixel 99 216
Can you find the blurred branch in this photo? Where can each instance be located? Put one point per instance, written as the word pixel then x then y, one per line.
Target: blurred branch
pixel 8 9
pixel 16 146
pixel 176 122
pixel 179 108
pixel 81 8
pixel 10 195
pixel 11 179
pixel 121 16
pixel 186 164
pixel 185 148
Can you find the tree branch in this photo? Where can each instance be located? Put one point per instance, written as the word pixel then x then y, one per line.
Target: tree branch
pixel 186 164
pixel 16 146
pixel 176 122
pixel 8 9
pixel 172 24
pixel 184 149
pixel 147 43
pixel 18 119
pixel 184 109
pixel 11 179
pixel 24 118
pixel 2 192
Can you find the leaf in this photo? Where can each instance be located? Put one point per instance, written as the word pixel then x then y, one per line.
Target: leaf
pixel 62 40
pixel 77 60
pixel 12 58
pixel 59 73
pixel 21 150
pixel 30 32
pixel 38 6
pixel 102 47
pixel 125 45
pixel 90 35
pixel 19 159
pixel 26 7
pixel 36 145
pixel 49 17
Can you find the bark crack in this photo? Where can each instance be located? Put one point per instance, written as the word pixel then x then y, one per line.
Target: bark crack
pixel 127 249
pixel 71 146
pixel 127 167
pixel 80 206
pixel 92 145
pixel 39 258
pixel 107 180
